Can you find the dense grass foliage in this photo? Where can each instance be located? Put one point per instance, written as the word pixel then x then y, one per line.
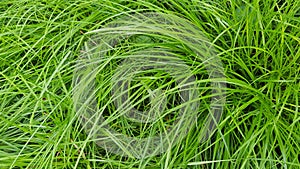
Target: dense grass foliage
pixel 257 41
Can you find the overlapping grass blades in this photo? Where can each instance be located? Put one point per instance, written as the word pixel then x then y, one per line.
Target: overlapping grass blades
pixel 257 41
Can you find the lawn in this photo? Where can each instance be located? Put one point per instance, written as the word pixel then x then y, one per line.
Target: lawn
pixel 149 84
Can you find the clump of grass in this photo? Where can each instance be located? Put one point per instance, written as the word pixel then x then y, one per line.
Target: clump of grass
pixel 258 43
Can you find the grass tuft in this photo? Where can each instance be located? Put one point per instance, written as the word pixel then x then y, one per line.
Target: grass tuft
pixel 257 41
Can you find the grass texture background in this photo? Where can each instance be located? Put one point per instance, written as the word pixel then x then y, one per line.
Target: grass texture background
pixel 257 41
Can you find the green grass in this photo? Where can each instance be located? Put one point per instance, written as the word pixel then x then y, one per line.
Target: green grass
pixel 257 41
